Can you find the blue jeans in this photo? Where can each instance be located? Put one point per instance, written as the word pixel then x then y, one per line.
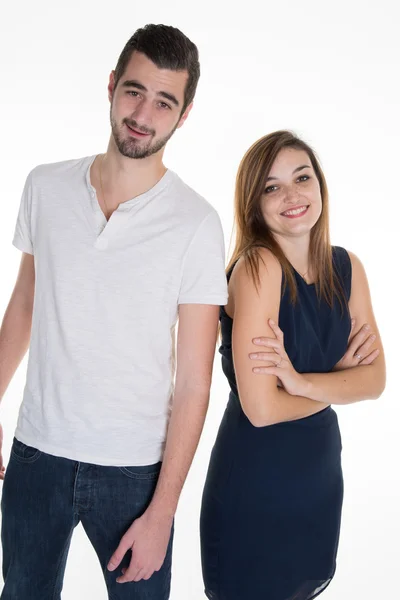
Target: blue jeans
pixel 45 497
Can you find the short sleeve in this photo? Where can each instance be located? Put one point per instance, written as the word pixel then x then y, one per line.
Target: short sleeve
pixel 22 234
pixel 203 276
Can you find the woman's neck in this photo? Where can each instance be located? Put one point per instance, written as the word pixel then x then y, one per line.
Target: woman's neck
pixel 296 250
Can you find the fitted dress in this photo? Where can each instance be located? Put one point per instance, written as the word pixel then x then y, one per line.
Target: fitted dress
pixel 272 501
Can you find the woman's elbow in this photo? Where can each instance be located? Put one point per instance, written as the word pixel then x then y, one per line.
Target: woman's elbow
pixel 260 407
pixel 380 381
pixel 259 417
pixel 374 381
pixel 379 389
pixel 257 422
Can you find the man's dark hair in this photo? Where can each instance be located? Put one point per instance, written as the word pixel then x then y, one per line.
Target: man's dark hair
pixel 168 48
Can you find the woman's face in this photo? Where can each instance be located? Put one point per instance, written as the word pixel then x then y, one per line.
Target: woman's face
pixel 291 203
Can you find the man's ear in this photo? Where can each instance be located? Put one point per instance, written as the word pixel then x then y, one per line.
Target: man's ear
pixel 185 115
pixel 111 85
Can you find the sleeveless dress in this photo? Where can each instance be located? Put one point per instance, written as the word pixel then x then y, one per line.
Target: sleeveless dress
pixel 272 501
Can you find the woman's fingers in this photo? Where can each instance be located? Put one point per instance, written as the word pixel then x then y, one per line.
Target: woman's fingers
pixel 276 329
pixel 269 342
pixel 358 340
pixel 271 357
pixel 363 350
pixel 368 360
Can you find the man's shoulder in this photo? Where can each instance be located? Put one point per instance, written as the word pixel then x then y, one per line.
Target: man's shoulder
pixel 57 171
pixel 191 201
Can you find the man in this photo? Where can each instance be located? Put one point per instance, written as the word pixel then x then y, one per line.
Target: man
pixel 115 249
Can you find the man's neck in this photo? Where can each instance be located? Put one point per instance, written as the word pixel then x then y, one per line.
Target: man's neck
pixel 125 178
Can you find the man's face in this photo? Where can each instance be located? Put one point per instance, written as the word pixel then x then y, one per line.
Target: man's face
pixel 146 106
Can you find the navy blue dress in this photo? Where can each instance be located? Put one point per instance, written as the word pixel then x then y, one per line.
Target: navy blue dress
pixel 272 501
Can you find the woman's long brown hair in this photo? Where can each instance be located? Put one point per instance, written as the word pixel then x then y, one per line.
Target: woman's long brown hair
pixel 252 232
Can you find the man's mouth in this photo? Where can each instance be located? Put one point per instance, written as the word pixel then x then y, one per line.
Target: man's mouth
pixel 136 132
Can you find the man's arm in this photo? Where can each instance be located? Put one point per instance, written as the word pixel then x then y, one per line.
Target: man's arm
pixel 15 330
pixel 197 333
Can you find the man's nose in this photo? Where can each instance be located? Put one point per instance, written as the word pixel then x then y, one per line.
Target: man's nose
pixel 142 113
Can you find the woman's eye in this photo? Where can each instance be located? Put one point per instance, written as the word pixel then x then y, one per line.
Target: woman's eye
pixel 304 178
pixel 270 188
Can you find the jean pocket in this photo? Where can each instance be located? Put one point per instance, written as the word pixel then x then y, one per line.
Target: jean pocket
pixel 147 472
pixel 24 453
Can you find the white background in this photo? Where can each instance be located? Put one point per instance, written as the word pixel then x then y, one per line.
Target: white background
pixel 330 72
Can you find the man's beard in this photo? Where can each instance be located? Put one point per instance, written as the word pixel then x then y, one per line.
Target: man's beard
pixel 134 147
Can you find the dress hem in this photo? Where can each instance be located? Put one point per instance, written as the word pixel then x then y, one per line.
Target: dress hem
pixel 213 596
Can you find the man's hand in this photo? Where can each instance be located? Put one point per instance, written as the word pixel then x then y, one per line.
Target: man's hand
pixel 148 539
pixel 2 467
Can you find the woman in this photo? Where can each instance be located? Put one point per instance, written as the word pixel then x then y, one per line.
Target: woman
pixel 272 501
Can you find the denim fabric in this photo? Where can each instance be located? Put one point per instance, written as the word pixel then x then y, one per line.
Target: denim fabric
pixel 45 497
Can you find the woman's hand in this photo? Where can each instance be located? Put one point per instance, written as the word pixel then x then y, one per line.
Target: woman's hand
pixel 358 351
pixel 279 362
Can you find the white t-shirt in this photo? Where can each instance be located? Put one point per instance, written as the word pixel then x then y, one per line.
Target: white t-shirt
pixel 101 371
